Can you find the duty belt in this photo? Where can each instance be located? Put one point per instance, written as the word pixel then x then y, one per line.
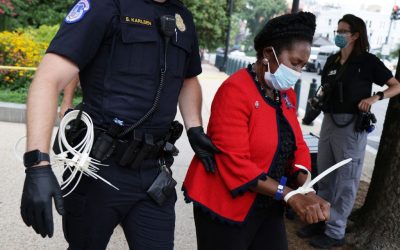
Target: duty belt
pixel 132 153
pixel 130 150
pixel 139 146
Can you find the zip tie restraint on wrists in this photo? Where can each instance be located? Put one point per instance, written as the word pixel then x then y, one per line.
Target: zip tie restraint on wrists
pixel 308 184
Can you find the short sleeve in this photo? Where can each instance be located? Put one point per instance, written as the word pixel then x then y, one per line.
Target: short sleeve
pixel 380 73
pixel 80 38
pixel 194 62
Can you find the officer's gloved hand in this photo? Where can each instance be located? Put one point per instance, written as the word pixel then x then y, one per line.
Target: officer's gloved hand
pixel 203 147
pixel 36 204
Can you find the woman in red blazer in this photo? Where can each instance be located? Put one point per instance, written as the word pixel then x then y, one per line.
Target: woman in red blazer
pixel 254 124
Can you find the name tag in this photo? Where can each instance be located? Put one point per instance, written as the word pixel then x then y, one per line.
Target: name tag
pixel 135 20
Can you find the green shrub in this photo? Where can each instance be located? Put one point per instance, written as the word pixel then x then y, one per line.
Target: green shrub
pixel 23 48
pixel 43 34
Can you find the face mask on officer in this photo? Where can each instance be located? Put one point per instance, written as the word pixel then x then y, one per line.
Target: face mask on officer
pixel 341 41
pixel 284 77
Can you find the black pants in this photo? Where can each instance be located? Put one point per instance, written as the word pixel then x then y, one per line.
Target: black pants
pixel 94 209
pixel 263 230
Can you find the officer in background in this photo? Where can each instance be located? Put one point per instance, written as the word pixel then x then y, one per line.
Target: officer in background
pixel 348 76
pixel 122 53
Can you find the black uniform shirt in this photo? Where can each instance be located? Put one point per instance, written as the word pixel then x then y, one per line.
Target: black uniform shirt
pixel 358 75
pixel 117 46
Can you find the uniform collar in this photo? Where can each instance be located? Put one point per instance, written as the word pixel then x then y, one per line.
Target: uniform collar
pixel 168 2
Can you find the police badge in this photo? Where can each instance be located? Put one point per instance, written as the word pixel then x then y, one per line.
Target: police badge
pixel 179 23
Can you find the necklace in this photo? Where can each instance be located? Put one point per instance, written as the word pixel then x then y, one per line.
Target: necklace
pixel 264 88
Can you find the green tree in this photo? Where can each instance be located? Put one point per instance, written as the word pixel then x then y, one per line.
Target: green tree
pixel 6 13
pixel 377 221
pixel 6 7
pixel 211 21
pixel 237 5
pixel 258 12
pixel 39 12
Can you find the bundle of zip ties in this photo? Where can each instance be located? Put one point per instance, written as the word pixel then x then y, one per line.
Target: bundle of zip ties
pixel 80 163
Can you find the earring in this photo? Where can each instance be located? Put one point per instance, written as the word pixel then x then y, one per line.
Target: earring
pixel 265 61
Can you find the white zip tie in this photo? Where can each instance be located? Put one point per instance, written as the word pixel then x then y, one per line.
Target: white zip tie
pixel 81 161
pixel 308 184
pixel 18 156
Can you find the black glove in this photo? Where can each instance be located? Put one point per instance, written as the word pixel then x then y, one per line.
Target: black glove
pixel 36 207
pixel 203 147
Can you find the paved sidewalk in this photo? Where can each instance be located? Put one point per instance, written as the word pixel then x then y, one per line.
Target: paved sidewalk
pixel 15 235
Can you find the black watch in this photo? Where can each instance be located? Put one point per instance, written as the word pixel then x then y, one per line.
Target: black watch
pixel 34 157
pixel 380 94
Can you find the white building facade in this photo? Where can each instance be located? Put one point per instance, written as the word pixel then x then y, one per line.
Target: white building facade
pixel 376 18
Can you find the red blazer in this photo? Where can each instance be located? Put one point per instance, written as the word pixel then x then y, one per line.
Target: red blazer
pixel 244 127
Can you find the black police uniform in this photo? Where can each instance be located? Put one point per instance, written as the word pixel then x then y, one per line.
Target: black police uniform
pixel 119 49
pixel 358 75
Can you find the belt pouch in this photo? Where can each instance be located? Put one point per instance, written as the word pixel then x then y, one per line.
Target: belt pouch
pixel 130 153
pixel 73 133
pixel 162 187
pixel 147 147
pixel 105 144
pixel 171 149
pixel 103 147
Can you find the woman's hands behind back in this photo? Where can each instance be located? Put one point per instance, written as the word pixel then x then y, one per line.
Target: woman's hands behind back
pixel 310 207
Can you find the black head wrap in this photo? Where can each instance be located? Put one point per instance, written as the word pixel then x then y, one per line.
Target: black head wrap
pixel 286 27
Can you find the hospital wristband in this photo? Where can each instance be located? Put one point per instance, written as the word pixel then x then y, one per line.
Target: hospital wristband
pixel 281 186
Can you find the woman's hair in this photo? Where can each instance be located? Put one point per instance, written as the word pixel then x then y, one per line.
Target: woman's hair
pixel 282 31
pixel 357 25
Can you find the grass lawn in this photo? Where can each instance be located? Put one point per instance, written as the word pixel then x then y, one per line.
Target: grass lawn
pixel 7 95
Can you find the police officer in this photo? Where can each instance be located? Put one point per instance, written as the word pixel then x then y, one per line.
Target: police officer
pixel 349 75
pixel 122 53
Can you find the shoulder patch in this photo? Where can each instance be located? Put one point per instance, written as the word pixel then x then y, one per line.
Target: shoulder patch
pixel 78 11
